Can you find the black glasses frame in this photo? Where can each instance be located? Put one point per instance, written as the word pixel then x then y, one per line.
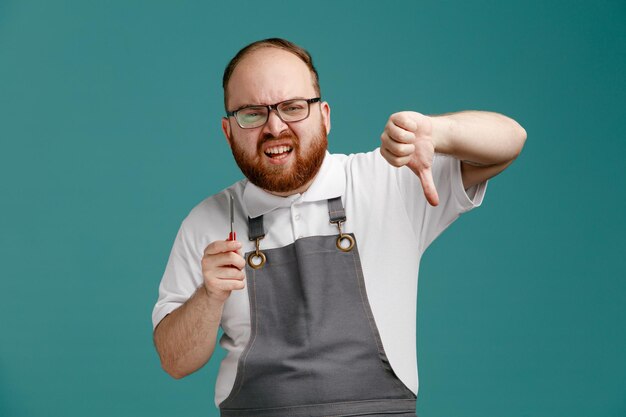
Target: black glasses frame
pixel 271 107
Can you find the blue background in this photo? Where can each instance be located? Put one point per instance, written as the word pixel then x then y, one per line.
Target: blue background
pixel 109 129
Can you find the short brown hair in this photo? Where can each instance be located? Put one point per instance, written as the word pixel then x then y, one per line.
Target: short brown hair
pixel 270 43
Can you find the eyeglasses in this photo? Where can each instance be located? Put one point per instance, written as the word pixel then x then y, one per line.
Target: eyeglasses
pixel 294 110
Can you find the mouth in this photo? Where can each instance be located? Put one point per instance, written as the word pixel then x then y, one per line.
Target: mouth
pixel 279 152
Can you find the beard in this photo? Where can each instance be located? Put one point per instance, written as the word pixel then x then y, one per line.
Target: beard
pixel 280 178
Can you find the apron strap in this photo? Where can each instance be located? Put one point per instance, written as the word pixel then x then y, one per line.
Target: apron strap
pixel 256 232
pixel 335 210
pixel 255 228
pixel 345 242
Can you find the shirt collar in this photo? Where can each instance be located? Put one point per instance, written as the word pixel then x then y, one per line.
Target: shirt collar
pixel 329 182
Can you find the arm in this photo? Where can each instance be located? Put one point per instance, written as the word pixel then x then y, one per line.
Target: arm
pixel 485 142
pixel 185 339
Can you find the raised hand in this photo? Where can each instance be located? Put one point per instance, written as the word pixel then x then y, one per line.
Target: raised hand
pixel 223 269
pixel 407 140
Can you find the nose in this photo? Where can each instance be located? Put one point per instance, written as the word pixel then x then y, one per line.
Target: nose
pixel 274 126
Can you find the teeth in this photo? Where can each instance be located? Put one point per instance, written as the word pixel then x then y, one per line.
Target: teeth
pixel 278 149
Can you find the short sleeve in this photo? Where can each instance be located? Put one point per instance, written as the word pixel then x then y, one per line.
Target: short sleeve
pixel 182 276
pixel 428 221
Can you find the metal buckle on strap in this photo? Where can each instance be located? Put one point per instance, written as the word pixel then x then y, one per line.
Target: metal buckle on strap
pixel 257 259
pixel 344 242
pixel 256 232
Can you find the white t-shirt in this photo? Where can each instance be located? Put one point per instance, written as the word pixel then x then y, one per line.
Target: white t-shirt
pixel 385 209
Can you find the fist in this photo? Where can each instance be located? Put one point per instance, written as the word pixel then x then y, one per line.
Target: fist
pixel 408 141
pixel 223 269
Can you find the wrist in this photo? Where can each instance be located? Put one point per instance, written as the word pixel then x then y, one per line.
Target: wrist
pixel 211 305
pixel 442 128
pixel 212 300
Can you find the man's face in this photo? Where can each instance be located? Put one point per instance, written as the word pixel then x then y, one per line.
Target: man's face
pixel 280 157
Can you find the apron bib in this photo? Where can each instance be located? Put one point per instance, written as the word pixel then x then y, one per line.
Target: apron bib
pixel 314 348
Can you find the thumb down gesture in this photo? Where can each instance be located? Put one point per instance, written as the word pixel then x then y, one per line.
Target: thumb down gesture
pixel 407 140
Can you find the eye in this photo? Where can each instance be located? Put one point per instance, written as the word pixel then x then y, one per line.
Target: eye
pixel 291 107
pixel 252 112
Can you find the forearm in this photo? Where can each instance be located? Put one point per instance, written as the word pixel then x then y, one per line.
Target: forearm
pixel 185 339
pixel 478 137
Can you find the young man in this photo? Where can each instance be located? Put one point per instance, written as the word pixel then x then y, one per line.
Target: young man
pixel 317 299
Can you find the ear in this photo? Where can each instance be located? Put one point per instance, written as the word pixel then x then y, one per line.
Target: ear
pixel 325 109
pixel 226 130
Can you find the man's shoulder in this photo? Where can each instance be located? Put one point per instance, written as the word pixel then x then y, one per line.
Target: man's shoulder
pixel 368 168
pixel 358 160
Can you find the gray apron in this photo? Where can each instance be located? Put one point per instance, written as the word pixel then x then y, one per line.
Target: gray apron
pixel 314 348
